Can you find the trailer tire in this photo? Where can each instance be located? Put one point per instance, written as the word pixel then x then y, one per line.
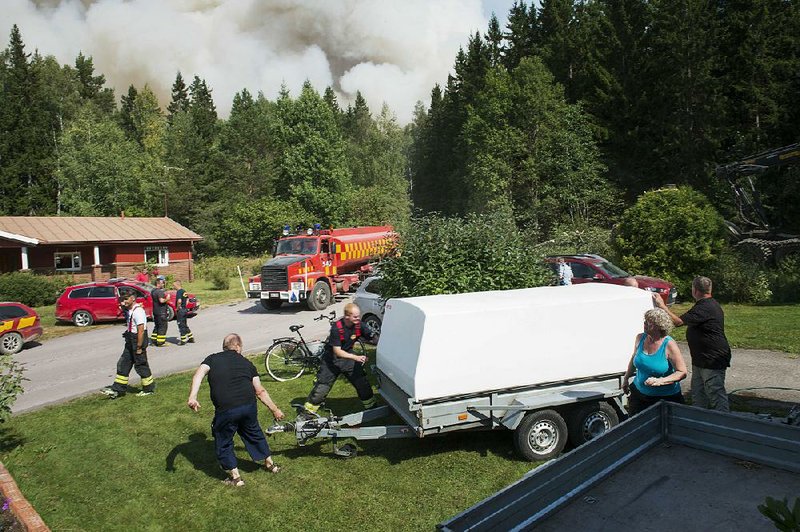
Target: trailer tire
pixel 590 421
pixel 271 304
pixel 320 296
pixel 541 435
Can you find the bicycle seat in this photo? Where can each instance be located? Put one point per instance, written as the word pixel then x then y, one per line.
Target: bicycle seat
pixel 295 328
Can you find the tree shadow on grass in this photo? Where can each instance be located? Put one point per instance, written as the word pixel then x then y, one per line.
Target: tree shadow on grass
pixel 9 440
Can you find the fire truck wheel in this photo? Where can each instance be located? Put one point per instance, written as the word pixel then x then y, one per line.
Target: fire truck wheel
pixel 271 304
pixel 170 313
pixel 320 296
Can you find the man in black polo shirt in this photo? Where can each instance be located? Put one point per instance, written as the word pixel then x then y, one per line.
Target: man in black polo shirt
pixel 711 353
pixel 234 387
pixel 339 358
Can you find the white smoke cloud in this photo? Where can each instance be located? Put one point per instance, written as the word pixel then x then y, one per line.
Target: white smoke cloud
pixel 392 51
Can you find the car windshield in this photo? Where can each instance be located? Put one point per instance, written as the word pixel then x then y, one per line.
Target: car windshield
pixel 612 270
pixel 297 246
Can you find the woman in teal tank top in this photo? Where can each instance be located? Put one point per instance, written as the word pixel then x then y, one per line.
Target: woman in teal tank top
pixel 657 363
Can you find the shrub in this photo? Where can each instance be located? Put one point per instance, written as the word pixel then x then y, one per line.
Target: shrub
pixel 672 233
pixel 740 280
pixel 220 279
pixel 786 280
pixel 578 238
pixel 10 384
pixel 31 289
pixel 439 255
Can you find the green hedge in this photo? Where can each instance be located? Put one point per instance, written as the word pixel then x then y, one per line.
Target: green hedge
pixel 32 290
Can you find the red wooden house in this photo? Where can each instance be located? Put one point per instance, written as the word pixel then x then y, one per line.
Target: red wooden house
pixel 95 248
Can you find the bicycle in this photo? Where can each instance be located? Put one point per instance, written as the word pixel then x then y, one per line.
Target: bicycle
pixel 288 358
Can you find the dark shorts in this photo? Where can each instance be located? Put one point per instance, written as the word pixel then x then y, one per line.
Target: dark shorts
pixel 639 401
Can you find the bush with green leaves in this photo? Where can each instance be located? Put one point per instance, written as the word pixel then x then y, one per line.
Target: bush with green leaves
pixel 10 384
pixel 31 289
pixel 777 511
pixel 738 279
pixel 439 255
pixel 786 280
pixel 671 233
pixel 578 237
pixel 220 279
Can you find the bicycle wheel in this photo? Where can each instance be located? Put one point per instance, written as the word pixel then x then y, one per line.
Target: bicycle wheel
pixel 284 360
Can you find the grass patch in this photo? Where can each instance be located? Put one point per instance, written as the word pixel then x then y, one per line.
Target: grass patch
pixel 199 287
pixel 149 463
pixel 756 327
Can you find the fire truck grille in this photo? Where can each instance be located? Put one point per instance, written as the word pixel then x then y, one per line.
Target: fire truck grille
pixel 274 278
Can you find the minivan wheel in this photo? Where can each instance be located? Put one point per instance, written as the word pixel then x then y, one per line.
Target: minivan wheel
pixel 82 318
pixel 11 343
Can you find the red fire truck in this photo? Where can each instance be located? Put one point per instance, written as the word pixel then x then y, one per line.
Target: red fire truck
pixel 313 267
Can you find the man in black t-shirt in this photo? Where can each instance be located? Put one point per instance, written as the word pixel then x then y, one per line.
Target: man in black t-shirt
pixel 711 353
pixel 160 298
pixel 339 358
pixel 235 385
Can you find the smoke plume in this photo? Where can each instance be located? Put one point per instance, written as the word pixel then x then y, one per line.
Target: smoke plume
pixel 392 51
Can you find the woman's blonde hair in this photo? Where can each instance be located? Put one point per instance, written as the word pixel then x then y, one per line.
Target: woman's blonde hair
pixel 660 319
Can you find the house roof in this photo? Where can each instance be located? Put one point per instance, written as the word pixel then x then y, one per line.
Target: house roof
pixel 35 230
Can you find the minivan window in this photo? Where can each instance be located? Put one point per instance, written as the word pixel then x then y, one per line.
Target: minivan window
pixel 374 287
pixel 79 292
pixel 102 291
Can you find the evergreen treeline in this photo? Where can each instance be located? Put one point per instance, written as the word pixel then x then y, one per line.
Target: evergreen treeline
pixel 579 105
pixel 66 148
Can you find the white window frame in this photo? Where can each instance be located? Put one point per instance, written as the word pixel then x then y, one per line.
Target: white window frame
pixel 72 255
pixel 163 254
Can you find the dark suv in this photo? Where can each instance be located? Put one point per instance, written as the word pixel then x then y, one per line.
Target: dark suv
pixel 595 269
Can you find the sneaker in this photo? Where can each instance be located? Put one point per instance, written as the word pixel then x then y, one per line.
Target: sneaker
pixel 145 393
pixel 110 392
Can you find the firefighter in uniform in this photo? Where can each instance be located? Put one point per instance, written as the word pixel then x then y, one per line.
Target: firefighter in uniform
pixel 338 358
pixel 159 335
pixel 134 355
pixel 180 313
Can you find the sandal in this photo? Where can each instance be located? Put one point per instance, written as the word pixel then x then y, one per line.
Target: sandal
pixel 274 468
pixel 234 481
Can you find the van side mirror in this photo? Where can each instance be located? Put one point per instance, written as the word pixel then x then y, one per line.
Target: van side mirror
pixel 274 247
pixel 333 248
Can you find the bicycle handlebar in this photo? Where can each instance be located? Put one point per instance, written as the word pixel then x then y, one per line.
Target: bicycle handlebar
pixel 330 316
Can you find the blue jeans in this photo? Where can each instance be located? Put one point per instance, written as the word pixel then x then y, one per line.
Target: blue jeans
pixel 244 421
pixel 708 389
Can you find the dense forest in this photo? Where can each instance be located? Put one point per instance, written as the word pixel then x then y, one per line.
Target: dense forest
pixel 560 119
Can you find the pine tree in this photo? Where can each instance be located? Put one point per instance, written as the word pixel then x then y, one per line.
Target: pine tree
pixel 180 98
pixel 93 87
pixel 521 34
pixel 494 41
pixel 126 113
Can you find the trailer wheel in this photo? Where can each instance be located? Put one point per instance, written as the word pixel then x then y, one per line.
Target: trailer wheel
pixel 541 435
pixel 271 304
pixel 590 421
pixel 320 296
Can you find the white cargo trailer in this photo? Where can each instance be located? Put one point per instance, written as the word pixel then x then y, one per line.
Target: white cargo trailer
pixel 544 362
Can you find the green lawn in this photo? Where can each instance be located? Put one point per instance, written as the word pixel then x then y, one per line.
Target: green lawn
pixel 199 287
pixel 751 327
pixel 148 464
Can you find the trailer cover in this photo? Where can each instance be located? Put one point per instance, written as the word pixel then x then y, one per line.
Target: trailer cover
pixel 449 345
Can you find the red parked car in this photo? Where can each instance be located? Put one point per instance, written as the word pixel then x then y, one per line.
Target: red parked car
pixel 19 324
pixel 87 303
pixel 595 269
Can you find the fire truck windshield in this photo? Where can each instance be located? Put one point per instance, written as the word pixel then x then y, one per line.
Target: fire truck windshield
pixel 297 246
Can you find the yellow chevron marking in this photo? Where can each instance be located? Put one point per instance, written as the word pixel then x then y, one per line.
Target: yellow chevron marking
pixel 6 325
pixel 26 322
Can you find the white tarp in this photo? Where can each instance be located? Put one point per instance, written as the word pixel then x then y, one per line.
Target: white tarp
pixel 439 346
